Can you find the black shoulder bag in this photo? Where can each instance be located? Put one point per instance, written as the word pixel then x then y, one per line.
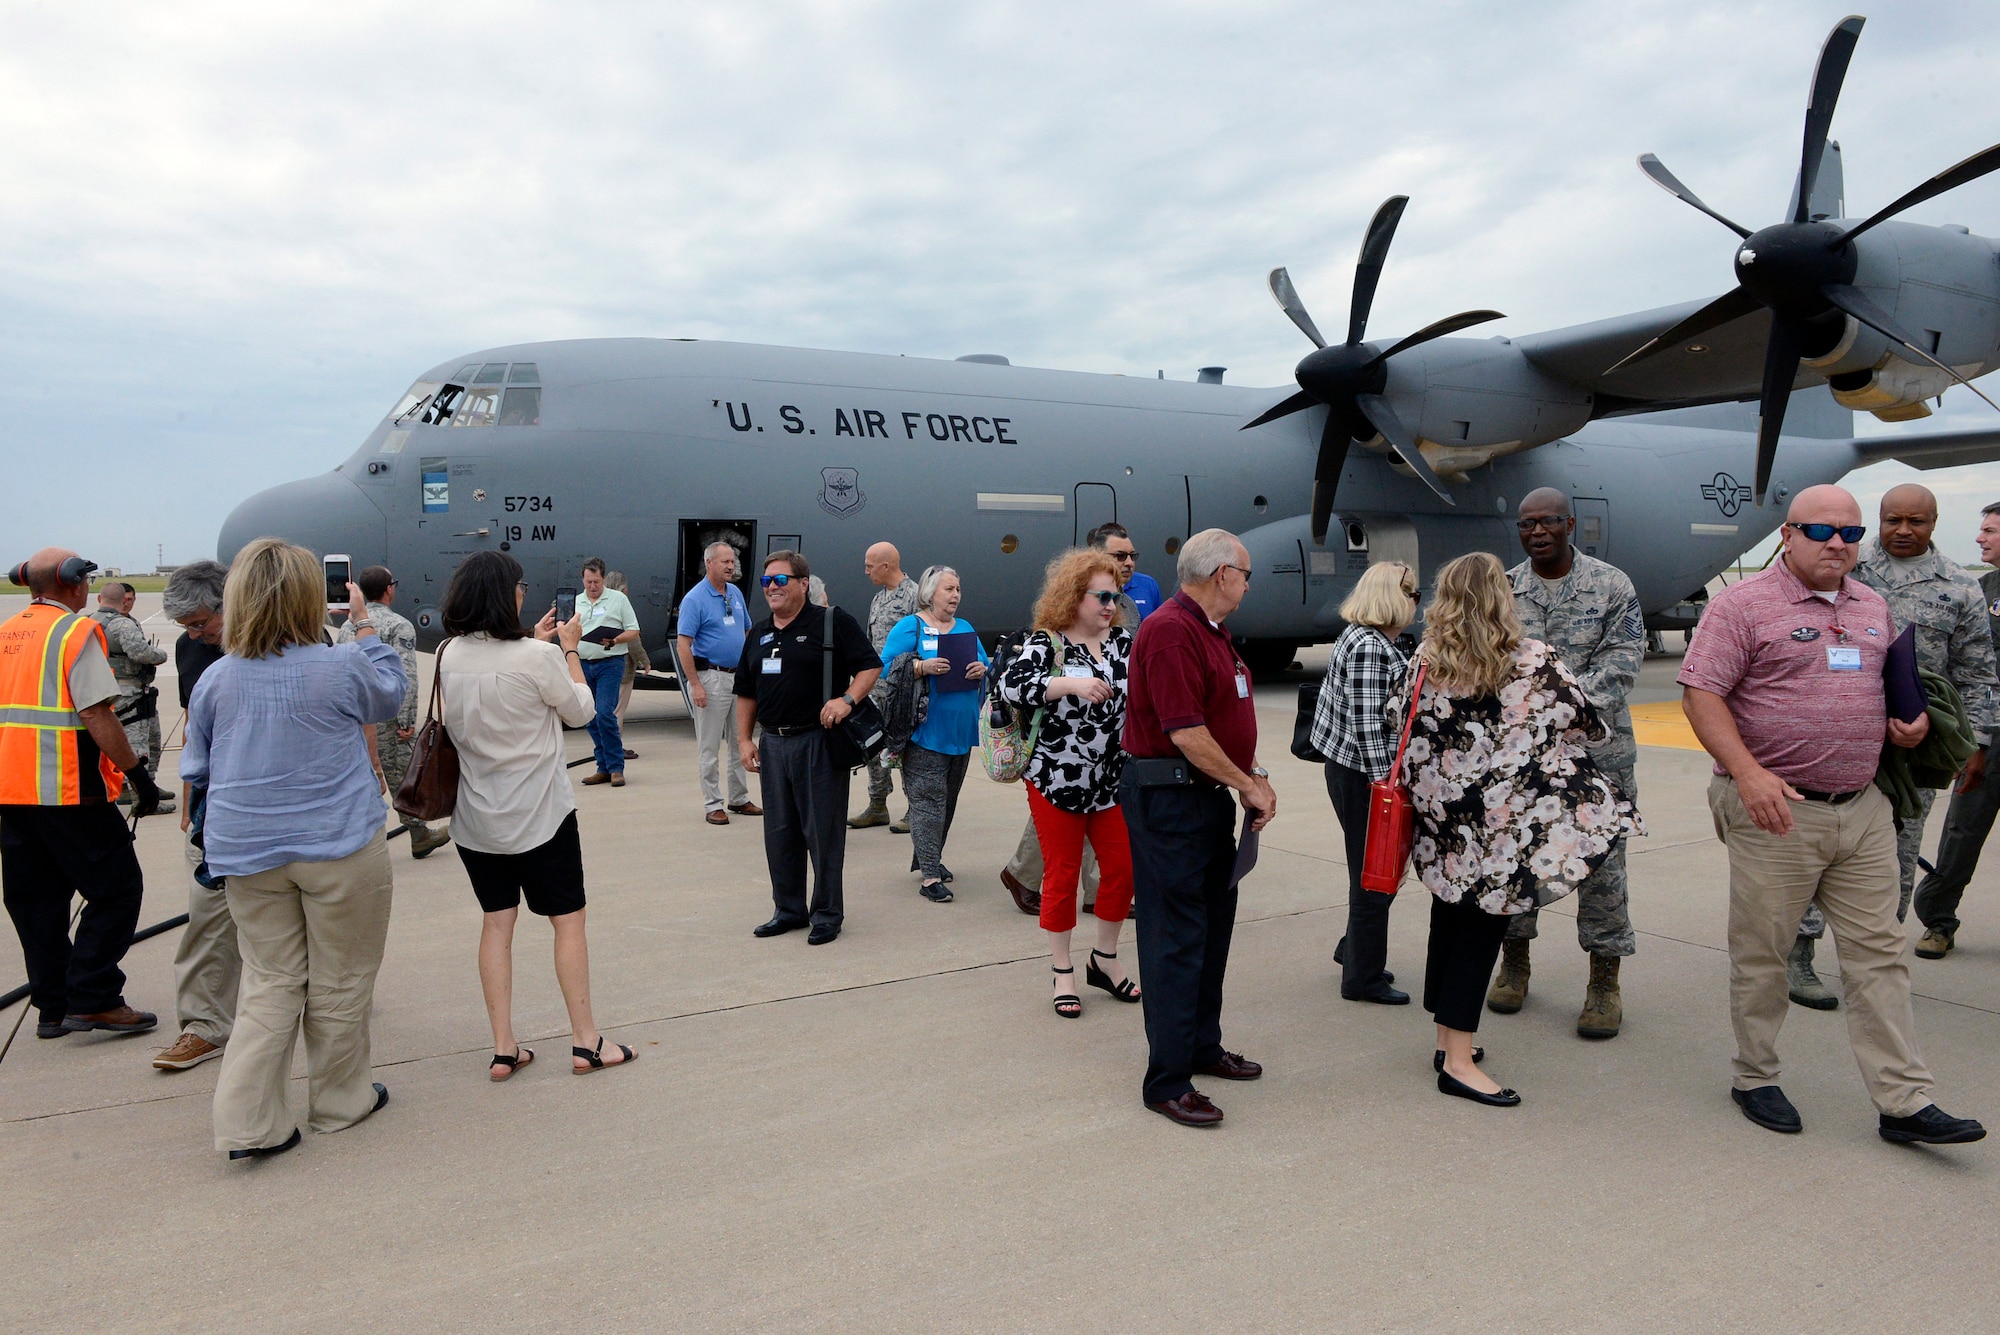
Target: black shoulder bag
pixel 859 736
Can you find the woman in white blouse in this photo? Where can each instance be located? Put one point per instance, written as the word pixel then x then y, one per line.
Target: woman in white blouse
pixel 506 695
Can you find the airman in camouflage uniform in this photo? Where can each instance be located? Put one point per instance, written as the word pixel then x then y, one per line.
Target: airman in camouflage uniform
pixel 1930 591
pixel 895 598
pixel 1588 612
pixel 134 659
pixel 395 739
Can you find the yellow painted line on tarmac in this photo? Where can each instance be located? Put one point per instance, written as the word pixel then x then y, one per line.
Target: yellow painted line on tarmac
pixel 1663 724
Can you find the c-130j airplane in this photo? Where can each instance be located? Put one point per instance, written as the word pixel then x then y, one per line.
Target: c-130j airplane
pixel 644 451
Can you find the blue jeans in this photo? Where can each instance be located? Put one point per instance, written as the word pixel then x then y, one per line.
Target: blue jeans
pixel 604 676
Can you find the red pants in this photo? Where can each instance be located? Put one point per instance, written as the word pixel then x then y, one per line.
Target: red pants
pixel 1062 834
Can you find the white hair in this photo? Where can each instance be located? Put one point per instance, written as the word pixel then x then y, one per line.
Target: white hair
pixel 927 583
pixel 715 547
pixel 1204 554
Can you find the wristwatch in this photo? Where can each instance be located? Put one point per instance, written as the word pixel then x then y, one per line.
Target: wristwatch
pixel 850 699
pixel 1260 771
pixel 360 623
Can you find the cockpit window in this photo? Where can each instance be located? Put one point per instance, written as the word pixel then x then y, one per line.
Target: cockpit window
pixel 493 373
pixel 419 395
pixel 466 372
pixel 522 406
pixel 524 373
pixel 480 407
pixel 474 397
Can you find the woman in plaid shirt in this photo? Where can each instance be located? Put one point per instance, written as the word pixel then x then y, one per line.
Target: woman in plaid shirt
pixel 1351 730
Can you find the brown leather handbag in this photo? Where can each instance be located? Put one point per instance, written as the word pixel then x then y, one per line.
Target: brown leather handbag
pixel 1392 817
pixel 429 789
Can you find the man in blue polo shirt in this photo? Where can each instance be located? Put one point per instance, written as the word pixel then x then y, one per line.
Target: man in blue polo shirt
pixel 714 620
pixel 1140 590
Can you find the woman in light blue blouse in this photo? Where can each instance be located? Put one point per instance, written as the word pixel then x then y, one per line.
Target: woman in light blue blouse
pixel 935 760
pixel 294 826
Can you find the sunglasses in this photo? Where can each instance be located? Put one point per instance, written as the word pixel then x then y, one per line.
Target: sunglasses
pixel 1825 532
pixel 776 581
pixel 1105 597
pixel 1123 556
pixel 1553 523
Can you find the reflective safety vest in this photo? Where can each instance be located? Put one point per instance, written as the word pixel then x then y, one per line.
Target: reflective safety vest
pixel 47 757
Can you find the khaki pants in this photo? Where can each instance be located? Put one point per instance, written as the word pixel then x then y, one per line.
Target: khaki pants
pixel 715 741
pixel 1846 855
pixel 312 935
pixel 207 965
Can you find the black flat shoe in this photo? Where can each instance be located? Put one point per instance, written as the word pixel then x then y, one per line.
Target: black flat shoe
pixel 1437 1058
pixel 936 892
pixel 1506 1098
pixel 778 926
pixel 822 934
pixel 1768 1107
pixel 266 1151
pixel 1930 1125
pixel 1384 995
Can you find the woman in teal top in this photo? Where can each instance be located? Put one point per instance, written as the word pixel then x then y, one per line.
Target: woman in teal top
pixel 935 760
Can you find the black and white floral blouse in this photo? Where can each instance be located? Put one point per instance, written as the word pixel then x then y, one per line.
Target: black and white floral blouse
pixel 1077 759
pixel 1510 807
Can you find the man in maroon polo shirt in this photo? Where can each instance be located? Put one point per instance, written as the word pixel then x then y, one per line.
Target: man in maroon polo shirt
pixel 1783 685
pixel 1190 737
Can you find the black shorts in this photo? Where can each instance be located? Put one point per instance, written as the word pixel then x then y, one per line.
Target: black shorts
pixel 550 876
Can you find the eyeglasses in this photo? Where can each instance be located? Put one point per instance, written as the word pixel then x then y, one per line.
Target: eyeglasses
pixel 1553 523
pixel 1245 570
pixel 1825 532
pixel 1126 557
pixel 776 581
pixel 520 584
pixel 1105 597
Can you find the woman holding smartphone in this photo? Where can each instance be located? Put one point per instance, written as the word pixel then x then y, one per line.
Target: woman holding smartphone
pixel 506 694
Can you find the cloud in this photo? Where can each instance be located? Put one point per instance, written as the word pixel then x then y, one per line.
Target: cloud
pixel 236 232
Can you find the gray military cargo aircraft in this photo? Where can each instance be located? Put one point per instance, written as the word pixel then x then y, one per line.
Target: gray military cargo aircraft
pixel 643 451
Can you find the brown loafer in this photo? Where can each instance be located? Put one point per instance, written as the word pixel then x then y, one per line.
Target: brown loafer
pixel 618 779
pixel 717 817
pixel 1190 1109
pixel 120 1020
pixel 599 777
pixel 1026 900
pixel 748 809
pixel 1234 1066
pixel 188 1050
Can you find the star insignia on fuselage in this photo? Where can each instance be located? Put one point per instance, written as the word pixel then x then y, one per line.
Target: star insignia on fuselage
pixel 1728 494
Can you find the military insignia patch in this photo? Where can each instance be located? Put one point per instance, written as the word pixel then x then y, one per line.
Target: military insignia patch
pixel 1805 634
pixel 840 492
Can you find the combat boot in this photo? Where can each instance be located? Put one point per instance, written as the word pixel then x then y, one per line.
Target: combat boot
pixel 424 841
pixel 876 814
pixel 1510 989
pixel 1603 1008
pixel 1807 989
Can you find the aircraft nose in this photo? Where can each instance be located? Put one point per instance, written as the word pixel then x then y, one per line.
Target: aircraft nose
pixel 322 514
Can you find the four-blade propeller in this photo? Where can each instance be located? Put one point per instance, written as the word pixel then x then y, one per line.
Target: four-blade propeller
pixel 1803 270
pixel 1349 377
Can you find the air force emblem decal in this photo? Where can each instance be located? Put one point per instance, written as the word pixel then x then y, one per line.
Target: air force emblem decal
pixel 1728 494
pixel 840 493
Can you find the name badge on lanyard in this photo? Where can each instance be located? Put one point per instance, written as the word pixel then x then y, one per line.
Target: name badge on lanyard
pixel 773 666
pixel 1242 685
pixel 1843 658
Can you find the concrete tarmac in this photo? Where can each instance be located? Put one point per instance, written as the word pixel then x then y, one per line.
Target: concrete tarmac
pixel 895 1133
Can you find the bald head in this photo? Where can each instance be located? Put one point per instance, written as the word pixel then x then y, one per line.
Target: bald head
pixel 1822 565
pixel 45 578
pixel 1908 521
pixel 113 593
pixel 1544 501
pixel 884 565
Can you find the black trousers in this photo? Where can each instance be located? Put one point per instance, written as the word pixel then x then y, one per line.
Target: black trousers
pixel 1465 940
pixel 1367 912
pixel 1966 824
pixel 1183 855
pixel 46 855
pixel 805 816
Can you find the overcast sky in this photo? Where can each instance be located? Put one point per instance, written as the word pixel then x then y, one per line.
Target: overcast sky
pixel 236 232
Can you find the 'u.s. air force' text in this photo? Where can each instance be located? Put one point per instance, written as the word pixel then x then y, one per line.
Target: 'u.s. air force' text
pixel 873 422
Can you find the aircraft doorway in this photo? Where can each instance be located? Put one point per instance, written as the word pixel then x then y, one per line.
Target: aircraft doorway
pixel 1096 503
pixel 696 537
pixel 1593 527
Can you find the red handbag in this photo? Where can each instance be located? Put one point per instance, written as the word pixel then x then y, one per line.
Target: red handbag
pixel 1392 817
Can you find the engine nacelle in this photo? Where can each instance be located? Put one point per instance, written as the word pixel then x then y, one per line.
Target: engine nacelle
pixel 1481 399
pixel 1894 391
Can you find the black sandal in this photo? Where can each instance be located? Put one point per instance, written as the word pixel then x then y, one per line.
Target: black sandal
pixel 1096 977
pixel 596 1058
pixel 522 1057
pixel 1068 1004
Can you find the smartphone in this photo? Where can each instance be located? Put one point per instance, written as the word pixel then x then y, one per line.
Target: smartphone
pixel 337 567
pixel 565 604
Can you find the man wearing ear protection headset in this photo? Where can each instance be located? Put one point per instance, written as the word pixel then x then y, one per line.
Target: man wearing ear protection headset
pixel 64 757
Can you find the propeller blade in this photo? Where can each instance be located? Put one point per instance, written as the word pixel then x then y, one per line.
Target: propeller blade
pixel 1857 304
pixel 1368 269
pixel 1333 443
pixel 1382 415
pixel 1451 324
pixel 1781 368
pixel 1667 181
pixel 1827 78
pixel 1298 402
pixel 1288 301
pixel 1951 178
pixel 1729 306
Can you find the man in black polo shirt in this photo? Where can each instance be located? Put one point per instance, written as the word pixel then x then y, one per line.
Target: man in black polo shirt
pixel 801 763
pixel 1190 738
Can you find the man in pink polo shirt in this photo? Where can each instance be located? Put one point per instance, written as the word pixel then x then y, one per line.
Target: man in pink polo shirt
pixel 1783 684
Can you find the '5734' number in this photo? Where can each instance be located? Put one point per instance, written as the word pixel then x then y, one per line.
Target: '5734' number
pixel 531 504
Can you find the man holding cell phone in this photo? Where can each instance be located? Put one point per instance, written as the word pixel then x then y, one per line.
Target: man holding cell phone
pixel 609 625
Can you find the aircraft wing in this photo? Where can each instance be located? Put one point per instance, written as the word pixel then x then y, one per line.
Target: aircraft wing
pixel 1729 367
pixel 1934 449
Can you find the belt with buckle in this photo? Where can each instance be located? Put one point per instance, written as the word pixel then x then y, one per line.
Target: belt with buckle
pixel 793 732
pixel 1831 799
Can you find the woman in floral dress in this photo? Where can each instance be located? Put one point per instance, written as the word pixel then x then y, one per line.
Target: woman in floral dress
pixel 1511 812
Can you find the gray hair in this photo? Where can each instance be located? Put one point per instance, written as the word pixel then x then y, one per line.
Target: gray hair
pixel 718 546
pixel 927 583
pixel 194 587
pixel 1204 554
